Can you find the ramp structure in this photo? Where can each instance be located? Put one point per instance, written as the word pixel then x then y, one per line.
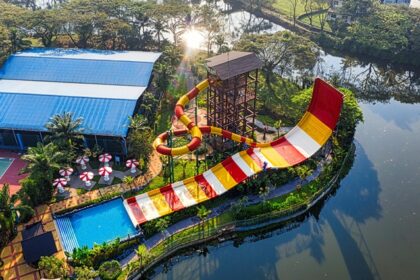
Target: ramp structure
pixel 303 141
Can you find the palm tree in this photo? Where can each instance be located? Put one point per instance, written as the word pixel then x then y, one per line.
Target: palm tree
pixel 202 214
pixel 129 181
pixel 65 131
pixel 139 122
pixel 278 125
pixel 10 212
pixel 45 160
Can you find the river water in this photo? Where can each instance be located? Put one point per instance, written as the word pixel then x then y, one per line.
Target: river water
pixel 370 227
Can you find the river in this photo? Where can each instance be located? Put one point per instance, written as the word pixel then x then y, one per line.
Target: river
pixel 370 227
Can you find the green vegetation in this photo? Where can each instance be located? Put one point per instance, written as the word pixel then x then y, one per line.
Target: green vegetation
pixel 384 32
pixel 109 270
pixel 241 214
pixel 282 53
pixel 52 267
pixel 182 169
pixel 65 133
pixel 139 141
pixel 11 212
pixel 85 273
pixel 96 256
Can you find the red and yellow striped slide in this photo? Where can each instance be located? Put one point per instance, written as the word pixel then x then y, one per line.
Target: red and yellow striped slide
pixel 304 140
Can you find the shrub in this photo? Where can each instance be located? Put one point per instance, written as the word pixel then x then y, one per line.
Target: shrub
pixel 52 267
pixel 85 273
pixel 110 270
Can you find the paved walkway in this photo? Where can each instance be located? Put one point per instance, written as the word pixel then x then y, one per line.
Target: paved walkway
pixel 252 199
pixel 155 168
pixel 14 267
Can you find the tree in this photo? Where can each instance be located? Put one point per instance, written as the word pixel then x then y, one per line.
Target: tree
pixel 308 6
pixel 175 12
pixel 46 24
pixel 140 147
pixel 162 224
pixel 208 14
pixel 322 17
pixel 357 8
pixel 281 52
pixel 302 171
pixel 202 214
pixel 293 9
pixel 278 125
pixel 10 212
pixel 139 122
pixel 44 160
pixel 65 132
pixel 52 267
pixel 110 270
pixel 85 273
pixel 82 21
pixel 143 254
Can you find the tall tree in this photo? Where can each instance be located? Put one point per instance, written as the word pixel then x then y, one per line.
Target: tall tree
pixel 65 131
pixel 281 52
pixel 45 160
pixel 208 14
pixel 176 13
pixel 10 210
pixel 46 24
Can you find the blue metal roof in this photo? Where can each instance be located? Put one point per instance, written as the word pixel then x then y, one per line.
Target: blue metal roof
pixel 31 112
pixel 71 70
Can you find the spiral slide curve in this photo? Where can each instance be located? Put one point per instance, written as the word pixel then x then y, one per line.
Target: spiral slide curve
pixel 304 140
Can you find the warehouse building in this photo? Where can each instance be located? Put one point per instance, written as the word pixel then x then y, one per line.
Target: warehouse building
pixel 102 87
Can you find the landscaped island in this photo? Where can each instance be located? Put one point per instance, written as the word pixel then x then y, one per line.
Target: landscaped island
pixel 245 168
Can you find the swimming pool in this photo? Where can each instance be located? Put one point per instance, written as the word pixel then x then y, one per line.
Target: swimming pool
pixel 4 165
pixel 97 224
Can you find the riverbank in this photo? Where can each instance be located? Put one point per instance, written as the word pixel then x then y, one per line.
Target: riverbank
pixel 328 40
pixel 167 244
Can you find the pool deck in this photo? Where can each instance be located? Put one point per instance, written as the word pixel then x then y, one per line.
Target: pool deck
pixel 12 176
pixel 14 267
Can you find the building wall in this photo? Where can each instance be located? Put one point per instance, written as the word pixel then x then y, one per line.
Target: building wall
pixel 20 141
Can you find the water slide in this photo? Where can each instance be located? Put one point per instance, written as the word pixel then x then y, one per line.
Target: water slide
pixel 300 143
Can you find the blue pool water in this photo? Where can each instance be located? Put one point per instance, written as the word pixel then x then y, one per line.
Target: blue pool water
pixel 102 223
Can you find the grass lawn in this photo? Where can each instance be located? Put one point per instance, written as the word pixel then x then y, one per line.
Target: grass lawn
pixel 159 181
pixel 286 7
pixel 266 120
pixel 316 22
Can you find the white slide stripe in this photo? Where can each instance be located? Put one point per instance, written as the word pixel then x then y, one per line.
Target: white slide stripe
pixel 302 142
pixel 130 213
pixel 183 194
pixel 214 182
pixel 257 152
pixel 243 165
pixel 147 207
pixel 71 89
pixel 134 56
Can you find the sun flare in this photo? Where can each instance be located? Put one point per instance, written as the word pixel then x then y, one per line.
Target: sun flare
pixel 193 39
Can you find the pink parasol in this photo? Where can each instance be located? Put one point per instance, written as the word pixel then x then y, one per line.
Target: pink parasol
pixel 132 164
pixel 86 177
pixel 60 183
pixel 105 172
pixel 105 158
pixel 66 172
pixel 82 160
